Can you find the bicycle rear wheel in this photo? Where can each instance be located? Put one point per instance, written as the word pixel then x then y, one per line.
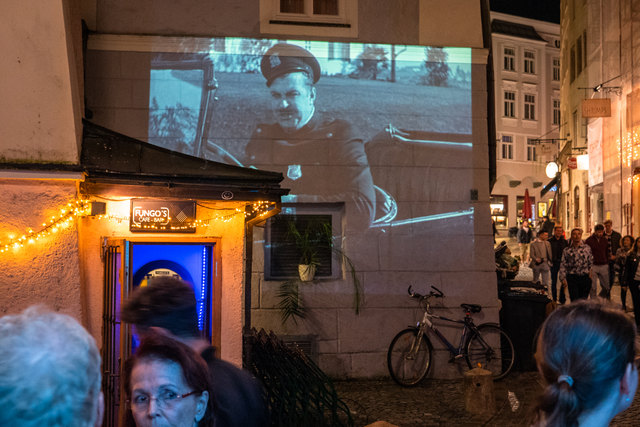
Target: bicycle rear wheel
pixel 408 358
pixel 493 349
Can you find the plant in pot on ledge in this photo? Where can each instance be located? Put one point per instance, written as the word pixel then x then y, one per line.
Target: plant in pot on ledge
pixel 310 239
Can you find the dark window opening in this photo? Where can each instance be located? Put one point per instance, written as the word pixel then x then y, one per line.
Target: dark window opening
pixel 285 254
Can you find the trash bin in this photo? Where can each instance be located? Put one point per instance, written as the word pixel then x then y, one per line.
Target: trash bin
pixel 524 308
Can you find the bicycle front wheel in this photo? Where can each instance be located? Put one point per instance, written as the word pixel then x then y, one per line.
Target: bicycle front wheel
pixel 409 357
pixel 493 349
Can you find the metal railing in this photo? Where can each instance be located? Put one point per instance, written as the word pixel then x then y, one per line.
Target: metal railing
pixel 297 392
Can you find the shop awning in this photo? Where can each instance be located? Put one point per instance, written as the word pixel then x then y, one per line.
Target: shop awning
pixel 550 185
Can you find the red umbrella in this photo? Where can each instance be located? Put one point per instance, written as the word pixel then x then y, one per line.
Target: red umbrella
pixel 526 207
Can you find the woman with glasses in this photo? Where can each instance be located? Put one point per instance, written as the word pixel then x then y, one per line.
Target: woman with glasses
pixel 166 383
pixel 586 357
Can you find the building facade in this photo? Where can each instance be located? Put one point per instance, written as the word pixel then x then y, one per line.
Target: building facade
pixel 187 77
pixel 526 62
pixel 599 159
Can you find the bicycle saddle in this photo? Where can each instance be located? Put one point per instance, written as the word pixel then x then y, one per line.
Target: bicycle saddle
pixel 473 308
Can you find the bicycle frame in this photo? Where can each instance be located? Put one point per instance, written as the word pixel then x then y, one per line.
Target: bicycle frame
pixel 468 327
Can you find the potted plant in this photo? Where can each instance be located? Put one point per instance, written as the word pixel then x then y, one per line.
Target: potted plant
pixel 310 240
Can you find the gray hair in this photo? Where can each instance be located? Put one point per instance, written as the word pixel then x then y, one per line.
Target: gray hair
pixel 49 371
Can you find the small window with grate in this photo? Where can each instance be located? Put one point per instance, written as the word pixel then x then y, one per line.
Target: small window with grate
pixel 300 239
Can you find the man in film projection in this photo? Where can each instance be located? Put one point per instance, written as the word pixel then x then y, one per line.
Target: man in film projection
pixel 321 158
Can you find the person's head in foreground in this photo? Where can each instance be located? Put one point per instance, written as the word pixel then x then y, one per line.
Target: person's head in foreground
pixel 49 371
pixel 166 383
pixel 586 354
pixel 167 303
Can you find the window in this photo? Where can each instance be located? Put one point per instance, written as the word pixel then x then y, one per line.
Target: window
pixel 572 64
pixel 574 128
pixel 507 147
pixel 579 61
pixel 310 7
pixel 509 104
pixel 576 203
pixel 556 112
pixel 556 69
pixel 529 62
pixel 326 18
pixel 282 255
pixel 584 50
pixel 509 59
pixel 529 107
pixel 531 150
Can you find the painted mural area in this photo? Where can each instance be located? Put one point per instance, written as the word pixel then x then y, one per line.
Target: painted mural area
pixel 384 129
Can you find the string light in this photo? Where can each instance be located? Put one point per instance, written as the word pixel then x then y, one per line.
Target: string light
pixel 65 217
pixel 82 208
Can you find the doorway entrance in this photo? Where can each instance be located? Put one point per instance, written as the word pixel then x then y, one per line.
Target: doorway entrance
pixel 130 264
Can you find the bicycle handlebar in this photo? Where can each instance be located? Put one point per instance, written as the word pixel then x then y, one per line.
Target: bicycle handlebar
pixel 437 294
pixel 440 294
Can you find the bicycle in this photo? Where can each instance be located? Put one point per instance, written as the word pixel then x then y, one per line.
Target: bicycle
pixel 410 353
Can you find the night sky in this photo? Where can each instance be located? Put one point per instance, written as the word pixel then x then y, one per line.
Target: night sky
pixel 543 10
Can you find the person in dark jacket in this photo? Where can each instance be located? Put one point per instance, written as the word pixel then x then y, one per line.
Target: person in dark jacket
pixel 613 239
pixel 524 237
pixel 631 278
pixel 558 243
pixel 621 258
pixel 601 256
pixel 168 305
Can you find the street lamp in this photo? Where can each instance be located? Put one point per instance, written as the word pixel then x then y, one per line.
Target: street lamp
pixel 551 169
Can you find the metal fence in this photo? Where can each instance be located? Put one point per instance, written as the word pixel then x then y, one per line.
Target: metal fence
pixel 297 392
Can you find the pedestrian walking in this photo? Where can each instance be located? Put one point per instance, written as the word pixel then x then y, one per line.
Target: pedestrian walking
pixel 613 240
pixel 632 278
pixel 558 243
pixel 524 237
pixel 540 251
pixel 575 267
pixel 601 256
pixel 547 225
pixel 621 258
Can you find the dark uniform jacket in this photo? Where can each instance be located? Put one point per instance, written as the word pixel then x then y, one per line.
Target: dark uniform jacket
pixel 557 246
pixel 237 396
pixel 322 162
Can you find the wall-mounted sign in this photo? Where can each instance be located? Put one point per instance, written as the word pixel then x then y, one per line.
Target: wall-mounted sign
pixel 162 216
pixel 572 163
pixel 600 107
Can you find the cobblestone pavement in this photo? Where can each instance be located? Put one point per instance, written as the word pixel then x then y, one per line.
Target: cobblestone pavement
pixel 438 402
pixel 441 403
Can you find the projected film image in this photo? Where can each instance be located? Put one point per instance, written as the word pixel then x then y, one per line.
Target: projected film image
pixel 385 129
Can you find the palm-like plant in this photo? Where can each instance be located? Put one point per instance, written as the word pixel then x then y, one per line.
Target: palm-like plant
pixel 310 239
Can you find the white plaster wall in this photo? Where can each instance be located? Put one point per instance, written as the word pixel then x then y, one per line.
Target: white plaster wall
pixel 48 271
pixel 93 230
pixel 36 93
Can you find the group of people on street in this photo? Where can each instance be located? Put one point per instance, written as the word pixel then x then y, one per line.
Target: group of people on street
pixel 582 266
pixel 50 373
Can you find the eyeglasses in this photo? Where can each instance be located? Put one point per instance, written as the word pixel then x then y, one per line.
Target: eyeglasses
pixel 166 399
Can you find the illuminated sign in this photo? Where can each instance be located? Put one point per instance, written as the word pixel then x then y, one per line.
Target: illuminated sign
pixel 596 107
pixel 162 216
